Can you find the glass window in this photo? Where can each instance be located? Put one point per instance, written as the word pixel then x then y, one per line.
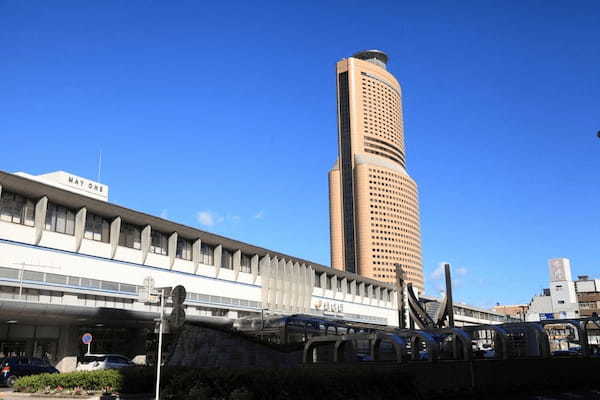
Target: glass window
pixel 16 209
pixel 159 243
pixel 208 253
pixel 130 236
pixel 60 219
pixel 97 228
pixel 245 265
pixel 226 259
pixel 184 249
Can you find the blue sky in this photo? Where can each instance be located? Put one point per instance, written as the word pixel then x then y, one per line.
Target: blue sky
pixel 221 115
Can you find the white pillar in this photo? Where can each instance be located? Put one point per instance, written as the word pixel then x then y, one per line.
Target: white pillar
pixel 40 218
pixel 115 231
pixel 146 242
pixel 172 249
pixel 196 254
pixel 79 227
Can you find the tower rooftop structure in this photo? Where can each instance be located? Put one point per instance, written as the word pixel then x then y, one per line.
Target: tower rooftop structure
pixel 376 57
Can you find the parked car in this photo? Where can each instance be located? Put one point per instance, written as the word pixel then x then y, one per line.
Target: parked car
pixel 12 368
pixel 94 362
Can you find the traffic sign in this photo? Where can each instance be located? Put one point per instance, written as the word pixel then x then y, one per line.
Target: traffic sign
pixel 178 294
pixel 177 317
pixel 87 338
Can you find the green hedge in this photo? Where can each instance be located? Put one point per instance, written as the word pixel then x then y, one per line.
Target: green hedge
pixel 237 384
pixel 87 380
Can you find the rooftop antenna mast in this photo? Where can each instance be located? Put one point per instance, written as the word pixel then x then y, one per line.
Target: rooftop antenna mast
pixel 99 165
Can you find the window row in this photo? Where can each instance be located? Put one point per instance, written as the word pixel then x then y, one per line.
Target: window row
pixel 21 210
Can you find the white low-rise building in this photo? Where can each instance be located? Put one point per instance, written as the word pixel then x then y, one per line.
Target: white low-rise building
pixel 72 262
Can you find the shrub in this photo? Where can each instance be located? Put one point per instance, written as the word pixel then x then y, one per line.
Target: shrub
pixel 81 380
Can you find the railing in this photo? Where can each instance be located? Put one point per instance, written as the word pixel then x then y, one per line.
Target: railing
pixel 504 341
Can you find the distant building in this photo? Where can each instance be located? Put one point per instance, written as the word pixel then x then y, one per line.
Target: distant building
pixel 465 315
pixel 588 295
pixel 560 301
pixel 517 311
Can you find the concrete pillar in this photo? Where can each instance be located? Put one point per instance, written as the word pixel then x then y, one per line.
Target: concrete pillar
pixel 115 232
pixel 323 278
pixel 254 266
pixel 0 191
pixel 265 271
pixel 361 290
pixel 66 353
pixel 273 271
pixel 344 288
pixel 80 218
pixel 237 261
pixel 196 254
pixel 377 294
pixel 40 218
pixel 353 289
pixel 334 286
pixel 172 249
pixel 310 283
pixel 295 288
pixel 146 242
pixel 370 293
pixel 217 259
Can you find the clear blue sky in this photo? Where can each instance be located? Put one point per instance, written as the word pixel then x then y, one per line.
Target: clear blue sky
pixel 223 113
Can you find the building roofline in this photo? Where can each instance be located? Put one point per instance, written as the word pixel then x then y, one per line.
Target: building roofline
pixel 36 189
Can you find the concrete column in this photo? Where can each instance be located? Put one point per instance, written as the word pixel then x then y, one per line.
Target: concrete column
pixel 310 283
pixel 361 290
pixel 217 259
pixel 353 289
pixel 377 294
pixel 280 280
pixel 40 218
pixel 79 227
pixel 115 232
pixel 370 293
pixel 254 265
pixel 334 286
pixel 323 278
pixel 237 260
pixel 265 270
pixel 344 288
pixel 172 249
pixel 273 283
pixel 295 288
pixel 67 349
pixel 146 242
pixel 196 253
pixel 0 191
pixel 288 292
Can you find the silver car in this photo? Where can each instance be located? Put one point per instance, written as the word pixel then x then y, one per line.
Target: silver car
pixel 94 362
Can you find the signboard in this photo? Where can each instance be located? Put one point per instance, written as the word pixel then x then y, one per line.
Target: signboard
pixel 545 316
pixel 327 306
pixel 178 294
pixel 87 338
pixel 177 316
pixel 559 269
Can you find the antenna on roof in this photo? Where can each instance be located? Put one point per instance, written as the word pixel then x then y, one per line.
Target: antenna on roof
pixel 99 165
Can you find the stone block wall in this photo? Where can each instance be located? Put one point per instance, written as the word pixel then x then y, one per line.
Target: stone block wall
pixel 203 347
